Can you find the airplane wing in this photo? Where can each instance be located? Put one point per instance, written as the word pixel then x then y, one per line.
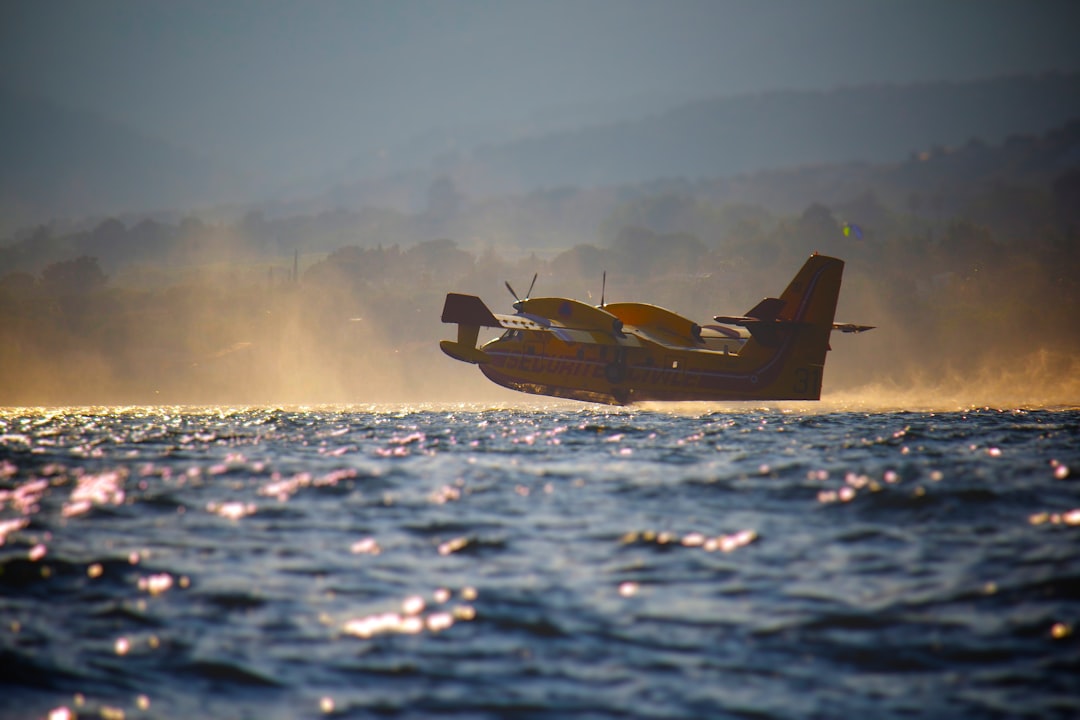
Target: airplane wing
pixel 721 331
pixel 522 322
pixel 580 327
pixel 525 321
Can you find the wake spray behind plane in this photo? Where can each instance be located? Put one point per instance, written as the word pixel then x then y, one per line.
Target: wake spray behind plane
pixel 621 353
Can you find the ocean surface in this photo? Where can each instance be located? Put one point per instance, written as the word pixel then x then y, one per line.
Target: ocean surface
pixel 564 561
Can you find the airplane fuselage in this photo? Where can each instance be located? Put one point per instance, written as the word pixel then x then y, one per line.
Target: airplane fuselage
pixel 540 363
pixel 633 352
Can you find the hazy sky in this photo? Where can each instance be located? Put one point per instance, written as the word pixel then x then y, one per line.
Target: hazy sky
pixel 302 86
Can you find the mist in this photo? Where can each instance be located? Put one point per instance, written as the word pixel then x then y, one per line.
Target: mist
pixel 219 313
pixel 267 203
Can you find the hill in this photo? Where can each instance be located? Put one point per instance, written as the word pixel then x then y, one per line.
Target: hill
pixel 781 150
pixel 723 137
pixel 57 162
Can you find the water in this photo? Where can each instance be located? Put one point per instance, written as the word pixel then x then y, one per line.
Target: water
pixel 551 562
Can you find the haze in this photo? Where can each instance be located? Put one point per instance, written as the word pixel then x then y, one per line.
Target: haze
pixel 284 91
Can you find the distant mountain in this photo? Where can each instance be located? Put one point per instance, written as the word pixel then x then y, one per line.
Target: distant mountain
pixel 727 136
pixel 58 162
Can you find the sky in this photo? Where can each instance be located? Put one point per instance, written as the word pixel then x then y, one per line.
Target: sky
pixel 298 87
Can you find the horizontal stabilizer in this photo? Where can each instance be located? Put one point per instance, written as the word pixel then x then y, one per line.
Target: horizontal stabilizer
pixel 742 321
pixel 767 309
pixel 751 322
pixel 467 310
pixel 852 327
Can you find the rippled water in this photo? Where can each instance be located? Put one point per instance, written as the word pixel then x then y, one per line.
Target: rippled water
pixel 554 562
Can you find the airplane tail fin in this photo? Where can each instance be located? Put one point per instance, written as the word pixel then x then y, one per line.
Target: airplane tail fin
pixel 810 298
pixel 470 313
pixel 789 335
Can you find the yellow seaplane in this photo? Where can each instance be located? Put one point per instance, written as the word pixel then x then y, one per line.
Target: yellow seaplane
pixel 622 353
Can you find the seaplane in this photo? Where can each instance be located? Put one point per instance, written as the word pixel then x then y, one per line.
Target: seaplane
pixel 628 352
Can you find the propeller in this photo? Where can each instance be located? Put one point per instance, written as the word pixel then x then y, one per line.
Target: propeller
pixel 603 287
pixel 528 294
